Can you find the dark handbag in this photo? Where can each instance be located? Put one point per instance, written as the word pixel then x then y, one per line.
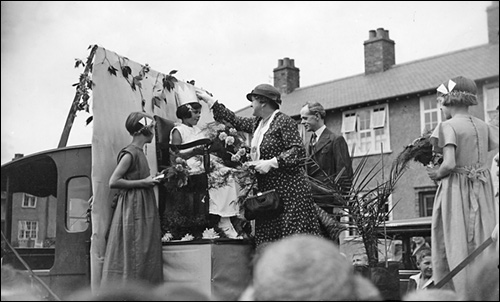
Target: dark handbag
pixel 263 205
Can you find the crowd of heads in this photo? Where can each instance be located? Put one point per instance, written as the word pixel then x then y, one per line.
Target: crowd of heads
pixel 296 268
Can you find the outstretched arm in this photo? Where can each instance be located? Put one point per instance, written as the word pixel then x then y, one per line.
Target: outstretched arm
pixel 222 114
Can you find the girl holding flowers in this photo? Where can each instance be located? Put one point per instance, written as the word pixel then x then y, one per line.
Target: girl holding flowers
pixel 464 213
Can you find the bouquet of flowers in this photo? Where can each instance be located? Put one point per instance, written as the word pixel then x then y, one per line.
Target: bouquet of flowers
pixel 176 175
pixel 228 144
pixel 420 150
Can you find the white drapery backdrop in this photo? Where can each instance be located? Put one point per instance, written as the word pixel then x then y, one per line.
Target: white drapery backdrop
pixel 113 99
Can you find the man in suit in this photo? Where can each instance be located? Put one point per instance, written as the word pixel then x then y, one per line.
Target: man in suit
pixel 328 162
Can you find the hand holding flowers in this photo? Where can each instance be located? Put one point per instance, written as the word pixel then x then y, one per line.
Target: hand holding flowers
pixel 227 144
pixel 420 150
pixel 176 175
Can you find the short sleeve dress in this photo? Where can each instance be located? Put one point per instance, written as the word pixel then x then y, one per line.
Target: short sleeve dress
pixel 282 140
pixel 134 248
pixel 464 212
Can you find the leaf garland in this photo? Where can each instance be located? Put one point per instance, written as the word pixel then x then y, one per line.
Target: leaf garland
pixel 85 83
pixel 135 82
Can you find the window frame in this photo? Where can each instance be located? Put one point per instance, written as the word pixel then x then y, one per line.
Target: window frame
pixel 488 101
pixel 358 137
pixel 432 100
pixel 27 198
pixel 420 198
pixel 72 221
pixel 22 227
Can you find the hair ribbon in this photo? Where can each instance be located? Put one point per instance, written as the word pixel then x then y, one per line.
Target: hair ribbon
pixel 444 90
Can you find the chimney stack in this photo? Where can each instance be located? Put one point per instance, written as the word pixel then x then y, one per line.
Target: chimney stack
pixel 492 13
pixel 379 51
pixel 286 76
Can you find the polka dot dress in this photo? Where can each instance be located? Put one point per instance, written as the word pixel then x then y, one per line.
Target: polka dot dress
pixel 282 141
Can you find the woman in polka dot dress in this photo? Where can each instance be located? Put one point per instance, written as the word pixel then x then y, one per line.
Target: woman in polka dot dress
pixel 277 151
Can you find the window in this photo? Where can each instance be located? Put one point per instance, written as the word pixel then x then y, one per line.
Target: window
pixel 426 203
pixel 430 114
pixel 29 201
pixel 366 130
pixel 490 101
pixel 27 230
pixel 77 204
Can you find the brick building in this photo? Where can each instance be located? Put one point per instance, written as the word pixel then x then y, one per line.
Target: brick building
pixel 389 105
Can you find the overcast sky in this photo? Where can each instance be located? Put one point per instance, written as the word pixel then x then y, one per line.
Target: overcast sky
pixel 226 47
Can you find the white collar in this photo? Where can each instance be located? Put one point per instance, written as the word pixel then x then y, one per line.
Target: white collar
pixel 320 131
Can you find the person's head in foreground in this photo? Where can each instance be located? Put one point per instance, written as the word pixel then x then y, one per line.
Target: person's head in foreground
pixel 307 268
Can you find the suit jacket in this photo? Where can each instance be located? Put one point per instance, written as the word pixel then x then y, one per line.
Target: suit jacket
pixel 331 154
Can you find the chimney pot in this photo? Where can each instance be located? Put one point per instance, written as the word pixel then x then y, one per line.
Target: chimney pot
pixel 492 20
pixel 286 76
pixel 379 51
pixel 380 32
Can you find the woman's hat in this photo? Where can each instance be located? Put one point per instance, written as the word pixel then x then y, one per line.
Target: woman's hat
pixel 267 91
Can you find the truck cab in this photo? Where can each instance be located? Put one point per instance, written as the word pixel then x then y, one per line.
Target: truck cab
pixel 45 216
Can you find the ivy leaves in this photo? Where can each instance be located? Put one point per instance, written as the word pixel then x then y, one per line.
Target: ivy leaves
pixel 79 62
pixel 85 84
pixel 169 80
pixel 136 81
pixel 126 70
pixel 112 70
pixel 167 83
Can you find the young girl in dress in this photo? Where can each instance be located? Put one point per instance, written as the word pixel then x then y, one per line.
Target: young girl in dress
pixel 134 249
pixel 223 200
pixel 464 214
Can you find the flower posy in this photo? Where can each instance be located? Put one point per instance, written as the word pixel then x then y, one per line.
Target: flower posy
pixel 167 237
pixel 210 234
pixel 176 174
pixel 187 237
pixel 228 144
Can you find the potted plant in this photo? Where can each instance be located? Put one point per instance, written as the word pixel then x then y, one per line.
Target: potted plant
pixel 365 205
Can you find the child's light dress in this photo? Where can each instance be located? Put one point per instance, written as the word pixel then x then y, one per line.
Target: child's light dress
pixel 223 199
pixel 464 211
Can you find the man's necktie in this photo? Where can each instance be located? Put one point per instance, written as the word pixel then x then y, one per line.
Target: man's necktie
pixel 312 143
